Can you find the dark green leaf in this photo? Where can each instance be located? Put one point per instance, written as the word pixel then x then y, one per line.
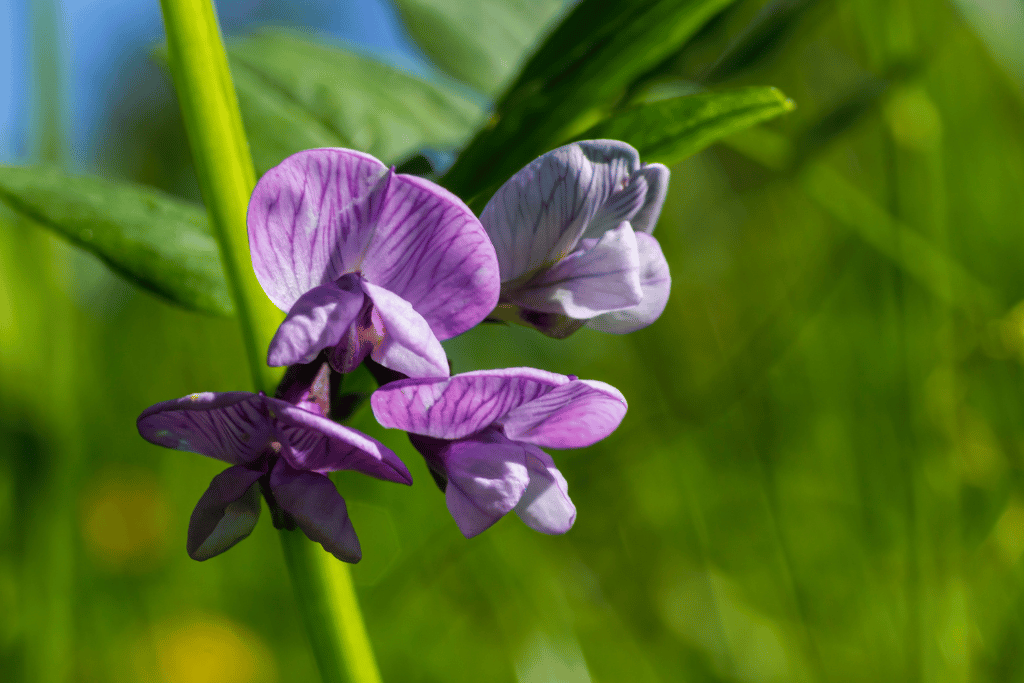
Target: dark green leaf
pixel 479 42
pixel 764 36
pixel 670 130
pixel 160 243
pixel 575 79
pixel 296 94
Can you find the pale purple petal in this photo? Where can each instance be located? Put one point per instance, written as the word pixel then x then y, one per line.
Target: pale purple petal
pixel 430 249
pixel 405 341
pixel 538 216
pixel 231 426
pixel 318 509
pixel 318 320
pixel 545 505
pixel 622 205
pixel 311 220
pixel 657 176
pixel 656 284
pixel 486 478
pixel 225 514
pixel 457 407
pixel 603 275
pixel 314 443
pixel 574 415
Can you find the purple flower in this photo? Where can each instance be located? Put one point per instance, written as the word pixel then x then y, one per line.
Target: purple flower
pixel 572 231
pixel 367 261
pixel 481 432
pixel 290 448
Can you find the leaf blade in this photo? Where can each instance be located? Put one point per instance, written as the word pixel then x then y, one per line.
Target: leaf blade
pixel 479 42
pixel 573 80
pixel 668 131
pixel 364 103
pixel 162 244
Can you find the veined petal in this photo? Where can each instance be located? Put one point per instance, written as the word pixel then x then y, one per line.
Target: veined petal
pixel 430 250
pixel 573 415
pixel 405 342
pixel 486 478
pixel 603 275
pixel 657 176
pixel 656 285
pixel 231 426
pixel 620 206
pixel 538 216
pixel 461 405
pixel 321 445
pixel 311 220
pixel 317 320
pixel 545 505
pixel 356 343
pixel 225 514
pixel 318 509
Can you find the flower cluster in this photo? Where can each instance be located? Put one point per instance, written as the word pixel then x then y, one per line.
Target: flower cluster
pixel 375 266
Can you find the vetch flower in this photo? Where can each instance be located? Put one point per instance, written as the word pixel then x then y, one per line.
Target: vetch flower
pixel 482 432
pixel 367 261
pixel 282 448
pixel 572 232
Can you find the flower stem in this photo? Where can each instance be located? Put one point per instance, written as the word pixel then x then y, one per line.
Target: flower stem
pixel 209 107
pixel 327 602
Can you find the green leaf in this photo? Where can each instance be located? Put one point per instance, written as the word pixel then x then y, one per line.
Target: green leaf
pixel 670 130
pixel 479 42
pixel 575 79
pixel 296 93
pixel 277 126
pixel 160 243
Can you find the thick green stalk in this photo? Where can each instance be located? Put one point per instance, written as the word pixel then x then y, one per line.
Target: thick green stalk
pixel 209 107
pixel 327 599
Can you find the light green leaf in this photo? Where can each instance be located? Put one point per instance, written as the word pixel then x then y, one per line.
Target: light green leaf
pixel 277 126
pixel 295 93
pixel 160 243
pixel 479 42
pixel 670 130
pixel 574 80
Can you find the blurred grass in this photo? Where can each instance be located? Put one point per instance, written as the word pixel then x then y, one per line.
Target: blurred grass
pixel 819 478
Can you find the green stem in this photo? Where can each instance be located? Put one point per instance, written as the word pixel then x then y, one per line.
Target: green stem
pixel 330 611
pixel 209 107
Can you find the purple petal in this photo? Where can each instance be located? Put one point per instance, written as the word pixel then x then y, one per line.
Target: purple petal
pixel 622 205
pixel 406 343
pixel 357 341
pixel 486 478
pixel 538 216
pixel 657 176
pixel 226 513
pixel 318 509
pixel 306 390
pixel 574 415
pixel 545 505
pixel 655 283
pixel 430 249
pixel 457 407
pixel 317 444
pixel 311 220
pixel 231 426
pixel 603 275
pixel 317 320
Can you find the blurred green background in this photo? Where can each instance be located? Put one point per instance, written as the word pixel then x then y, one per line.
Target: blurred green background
pixel 819 477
